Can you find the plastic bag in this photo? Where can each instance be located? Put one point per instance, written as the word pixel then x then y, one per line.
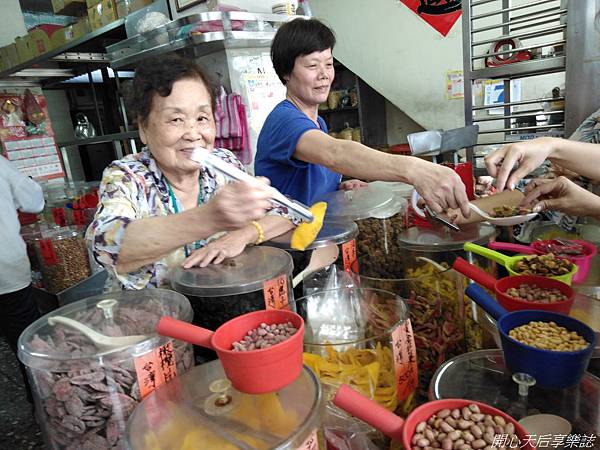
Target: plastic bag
pixel 342 432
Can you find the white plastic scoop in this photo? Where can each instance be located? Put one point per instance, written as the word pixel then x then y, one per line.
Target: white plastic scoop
pixel 321 257
pixel 99 339
pixel 503 221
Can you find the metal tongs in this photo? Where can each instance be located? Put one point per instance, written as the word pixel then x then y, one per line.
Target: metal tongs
pixel 207 159
pixel 437 217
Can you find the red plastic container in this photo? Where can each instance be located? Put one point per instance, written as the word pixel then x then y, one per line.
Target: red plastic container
pixel 503 284
pixel 539 248
pixel 402 430
pixel 254 372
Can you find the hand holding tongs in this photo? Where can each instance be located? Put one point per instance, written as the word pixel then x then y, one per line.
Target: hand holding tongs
pixel 207 159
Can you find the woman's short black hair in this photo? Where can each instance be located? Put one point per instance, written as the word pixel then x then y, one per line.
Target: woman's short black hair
pixel 299 37
pixel 156 75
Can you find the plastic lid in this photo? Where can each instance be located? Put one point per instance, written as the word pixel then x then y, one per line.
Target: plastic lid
pixel 242 274
pixel 369 201
pixel 122 313
pixel 333 232
pixel 482 376
pixel 442 239
pixel 200 406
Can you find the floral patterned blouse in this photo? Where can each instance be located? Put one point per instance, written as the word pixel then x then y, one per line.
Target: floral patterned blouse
pixel 134 188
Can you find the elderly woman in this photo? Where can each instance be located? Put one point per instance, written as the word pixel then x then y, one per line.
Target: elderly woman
pixel 159 208
pixel 294 150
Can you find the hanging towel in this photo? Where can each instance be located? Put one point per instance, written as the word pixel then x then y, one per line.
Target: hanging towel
pixel 232 125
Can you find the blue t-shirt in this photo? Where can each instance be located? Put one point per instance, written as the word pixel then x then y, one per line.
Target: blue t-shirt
pixel 277 143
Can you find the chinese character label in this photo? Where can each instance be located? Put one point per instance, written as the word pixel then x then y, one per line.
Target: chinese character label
pixel 155 368
pixel 349 256
pixel 276 292
pixel 405 359
pixel 311 443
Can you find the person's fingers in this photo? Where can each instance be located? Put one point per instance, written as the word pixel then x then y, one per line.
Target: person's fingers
pixel 193 259
pixel 548 204
pixel 542 188
pixel 509 162
pixel 494 160
pixel 220 257
pixel 521 172
pixel 264 180
pixel 437 206
pixel 462 200
pixel 208 257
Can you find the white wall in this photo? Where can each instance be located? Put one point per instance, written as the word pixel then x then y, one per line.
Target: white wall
pixel 399 125
pixel 58 109
pixel 13 24
pixel 399 55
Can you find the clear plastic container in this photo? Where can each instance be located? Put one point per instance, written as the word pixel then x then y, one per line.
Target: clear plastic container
pixel 360 337
pixel 437 313
pixel 483 376
pixel 63 257
pixel 84 394
pixel 443 246
pixel 340 233
pixel 201 410
pixel 380 214
pixel 32 233
pixel 258 278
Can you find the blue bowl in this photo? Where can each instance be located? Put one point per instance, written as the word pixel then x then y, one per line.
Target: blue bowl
pixel 552 370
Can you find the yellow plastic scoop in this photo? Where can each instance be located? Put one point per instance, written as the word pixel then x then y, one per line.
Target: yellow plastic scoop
pixel 306 232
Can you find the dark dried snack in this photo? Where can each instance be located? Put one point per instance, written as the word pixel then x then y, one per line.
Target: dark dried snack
pixel 533 293
pixel 509 211
pixel 545 265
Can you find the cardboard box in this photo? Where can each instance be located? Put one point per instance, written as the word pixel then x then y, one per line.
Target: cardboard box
pixel 102 14
pixel 68 7
pixel 24 49
pixel 9 55
pixel 39 42
pixel 75 31
pixel 124 7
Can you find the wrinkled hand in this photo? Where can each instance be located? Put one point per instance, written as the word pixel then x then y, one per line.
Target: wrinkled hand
pixel 228 246
pixel 237 204
pixel 350 185
pixel 440 187
pixel 528 155
pixel 560 194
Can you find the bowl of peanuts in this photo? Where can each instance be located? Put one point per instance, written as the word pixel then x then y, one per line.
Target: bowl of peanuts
pixel 448 424
pixel 553 348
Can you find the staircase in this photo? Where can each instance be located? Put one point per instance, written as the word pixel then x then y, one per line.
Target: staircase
pixel 399 55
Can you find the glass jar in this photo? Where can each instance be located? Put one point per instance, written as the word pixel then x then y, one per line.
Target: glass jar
pixel 483 376
pixel 202 410
pixel 85 393
pixel 258 278
pixel 360 337
pixel 63 256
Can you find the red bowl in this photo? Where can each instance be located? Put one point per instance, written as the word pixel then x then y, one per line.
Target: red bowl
pixel 424 412
pixel 514 304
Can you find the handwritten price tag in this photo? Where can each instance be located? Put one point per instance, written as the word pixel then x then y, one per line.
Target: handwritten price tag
pixel 155 368
pixel 405 359
pixel 349 256
pixel 311 443
pixel 276 292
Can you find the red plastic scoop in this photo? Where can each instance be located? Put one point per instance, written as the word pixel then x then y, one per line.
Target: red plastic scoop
pixel 503 284
pixel 252 372
pixel 402 430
